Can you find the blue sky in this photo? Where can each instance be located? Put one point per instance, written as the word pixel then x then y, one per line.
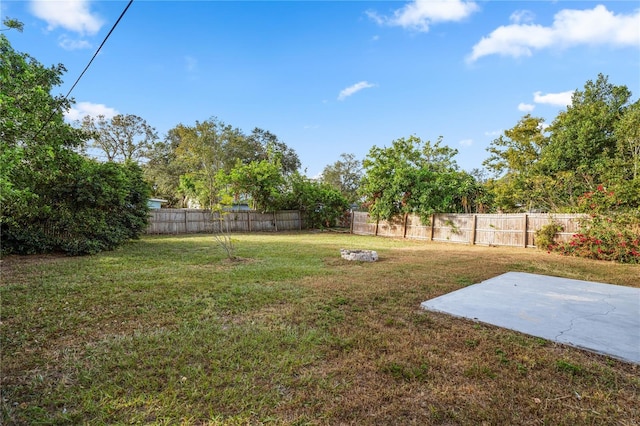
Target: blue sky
pixel 332 77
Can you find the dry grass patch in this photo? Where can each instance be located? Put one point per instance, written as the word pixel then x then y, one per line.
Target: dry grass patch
pixel 164 331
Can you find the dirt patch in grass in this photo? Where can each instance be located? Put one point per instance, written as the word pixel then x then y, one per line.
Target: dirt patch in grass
pixel 12 266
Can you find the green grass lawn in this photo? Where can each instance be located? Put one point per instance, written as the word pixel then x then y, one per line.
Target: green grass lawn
pixel 166 330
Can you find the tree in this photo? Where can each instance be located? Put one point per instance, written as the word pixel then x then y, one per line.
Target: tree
pixel 12 24
pixel 262 181
pixel 412 176
pixel 269 147
pixel 34 140
pixel 321 204
pixel 345 175
pixel 514 159
pixel 627 132
pixel 164 169
pixel 209 149
pixel 122 137
pixel 52 197
pixel 201 148
pixel 583 140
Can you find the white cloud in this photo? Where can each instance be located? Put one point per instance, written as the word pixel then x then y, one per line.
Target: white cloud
pixel 597 26
pixel 70 44
pixel 520 16
pixel 493 133
pixel 420 14
pixel 526 107
pixel 466 142
pixel 345 93
pixel 82 109
pixel 561 99
pixel 72 15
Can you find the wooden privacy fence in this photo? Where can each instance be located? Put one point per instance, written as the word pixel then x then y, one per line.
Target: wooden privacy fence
pixel 190 221
pixel 515 230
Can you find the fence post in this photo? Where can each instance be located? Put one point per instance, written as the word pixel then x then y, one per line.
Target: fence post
pixel 433 221
pixel 376 233
pixel 526 230
pixel 186 227
pixel 351 214
pixel 275 220
pixel 404 226
pixel 473 229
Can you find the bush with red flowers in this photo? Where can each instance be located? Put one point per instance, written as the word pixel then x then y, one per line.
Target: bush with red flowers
pixel 606 234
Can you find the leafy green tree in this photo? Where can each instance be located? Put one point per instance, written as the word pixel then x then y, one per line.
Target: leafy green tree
pixel 208 150
pixel 627 132
pixel 201 149
pixel 164 169
pixel 52 197
pixel 345 175
pixel 412 176
pixel 261 181
pixel 514 160
pixel 321 204
pixel 34 140
pixel 122 137
pixel 12 24
pixel 583 140
pixel 268 147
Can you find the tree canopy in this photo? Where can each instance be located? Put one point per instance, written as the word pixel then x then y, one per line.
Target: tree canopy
pixel 594 142
pixel 193 159
pixel 345 175
pixel 122 137
pixel 51 197
pixel 412 176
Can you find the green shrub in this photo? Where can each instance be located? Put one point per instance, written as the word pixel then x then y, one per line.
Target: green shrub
pixel 90 208
pixel 546 236
pixel 609 232
pixel 321 204
pixel 613 237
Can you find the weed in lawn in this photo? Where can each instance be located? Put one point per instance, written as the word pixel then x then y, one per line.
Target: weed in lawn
pixel 477 371
pixel 464 281
pixel 522 369
pixel 502 356
pixel 421 319
pixel 567 367
pixel 471 343
pixel 406 372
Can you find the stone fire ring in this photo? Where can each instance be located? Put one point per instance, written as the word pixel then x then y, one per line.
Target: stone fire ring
pixel 361 255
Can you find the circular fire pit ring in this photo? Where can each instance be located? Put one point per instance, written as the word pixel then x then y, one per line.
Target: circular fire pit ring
pixel 360 255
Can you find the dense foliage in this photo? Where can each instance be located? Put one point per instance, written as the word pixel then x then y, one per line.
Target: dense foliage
pixel 594 142
pixel 412 176
pixel 587 161
pixel 345 175
pixel 609 231
pixel 260 181
pixel 52 198
pixel 188 168
pixel 321 204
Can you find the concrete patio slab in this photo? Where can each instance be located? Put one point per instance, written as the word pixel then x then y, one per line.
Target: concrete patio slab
pixel 602 318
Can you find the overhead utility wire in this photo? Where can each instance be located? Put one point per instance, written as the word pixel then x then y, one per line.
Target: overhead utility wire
pixel 85 69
